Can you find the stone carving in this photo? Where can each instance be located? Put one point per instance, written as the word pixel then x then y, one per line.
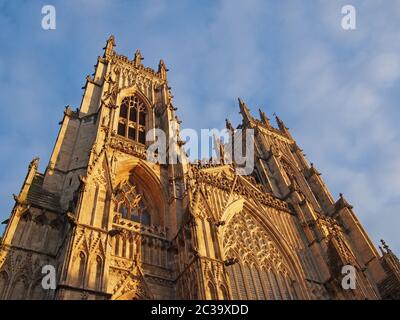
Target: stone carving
pixel 128 146
pixel 222 181
pixel 244 238
pixel 197 236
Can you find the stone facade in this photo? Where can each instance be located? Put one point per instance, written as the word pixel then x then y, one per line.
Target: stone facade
pixel 116 226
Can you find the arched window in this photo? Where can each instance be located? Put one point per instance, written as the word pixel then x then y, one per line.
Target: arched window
pixel 224 292
pixel 99 273
pixel 82 266
pixel 116 252
pixel 213 291
pixel 123 247
pixel 130 204
pixel 260 271
pixel 132 119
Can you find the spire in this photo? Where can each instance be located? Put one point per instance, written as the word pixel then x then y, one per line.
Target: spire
pixel 280 123
pixel 137 60
pixel 162 69
pixel 282 127
pixel 264 117
pixel 219 149
pixel 109 48
pixel 244 111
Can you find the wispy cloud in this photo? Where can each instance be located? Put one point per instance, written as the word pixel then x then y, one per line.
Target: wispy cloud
pixel 336 89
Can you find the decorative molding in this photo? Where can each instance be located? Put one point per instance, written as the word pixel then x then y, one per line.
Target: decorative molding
pixel 128 146
pixel 224 182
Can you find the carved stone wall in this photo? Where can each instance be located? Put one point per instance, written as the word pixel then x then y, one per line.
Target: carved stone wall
pixel 116 226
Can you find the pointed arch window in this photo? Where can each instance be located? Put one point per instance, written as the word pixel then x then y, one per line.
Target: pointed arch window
pixel 213 291
pixel 132 119
pixel 130 204
pixel 261 271
pixel 224 292
pixel 99 273
pixel 81 270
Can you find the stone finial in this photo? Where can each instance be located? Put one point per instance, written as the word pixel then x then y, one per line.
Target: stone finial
pixel 162 69
pixel 68 111
pixel 34 163
pixel 137 60
pixel 109 48
pixel 280 123
pixel 342 203
pixel 264 117
pixel 244 110
pixel 219 150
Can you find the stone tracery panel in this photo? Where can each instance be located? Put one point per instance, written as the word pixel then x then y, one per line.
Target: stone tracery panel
pixel 131 204
pixel 261 272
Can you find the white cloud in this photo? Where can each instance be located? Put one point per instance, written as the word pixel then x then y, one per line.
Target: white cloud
pixel 385 68
pixel 348 108
pixel 334 88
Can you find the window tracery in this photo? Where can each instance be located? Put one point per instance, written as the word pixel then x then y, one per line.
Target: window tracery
pixel 132 119
pixel 261 272
pixel 130 204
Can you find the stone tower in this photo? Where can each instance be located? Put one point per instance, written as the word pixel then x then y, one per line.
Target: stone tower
pixel 117 226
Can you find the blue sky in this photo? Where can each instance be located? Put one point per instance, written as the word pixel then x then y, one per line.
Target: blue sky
pixel 338 91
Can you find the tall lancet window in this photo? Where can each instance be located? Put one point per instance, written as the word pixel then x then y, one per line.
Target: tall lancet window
pixel 132 119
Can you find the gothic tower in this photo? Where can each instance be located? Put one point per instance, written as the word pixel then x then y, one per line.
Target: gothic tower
pixel 115 225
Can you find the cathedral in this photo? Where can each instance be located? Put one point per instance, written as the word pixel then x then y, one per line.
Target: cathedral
pixel 116 226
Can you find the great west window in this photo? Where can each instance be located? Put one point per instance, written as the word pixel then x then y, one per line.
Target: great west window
pixel 132 119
